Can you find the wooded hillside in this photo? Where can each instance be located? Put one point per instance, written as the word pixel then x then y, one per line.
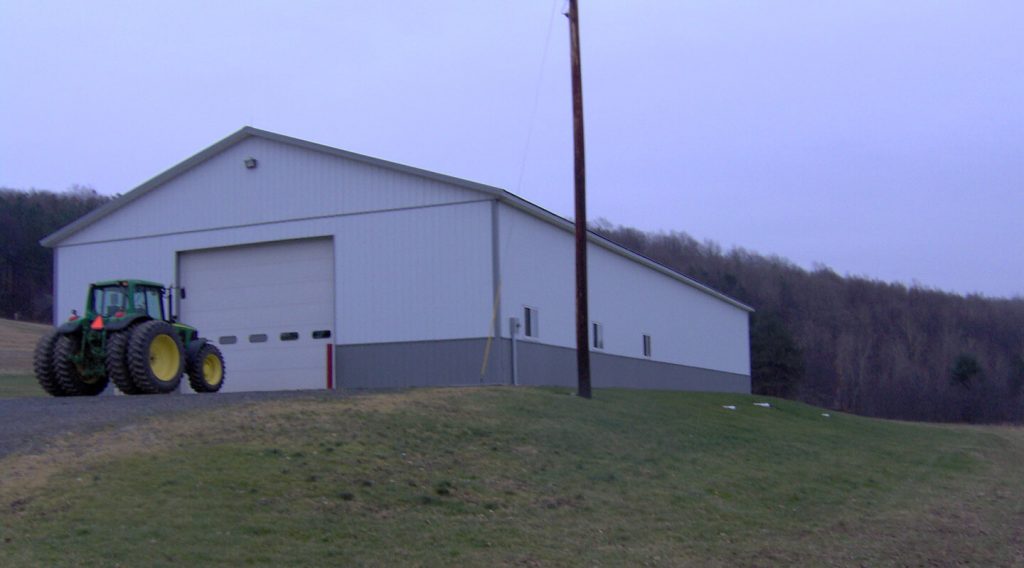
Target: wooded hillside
pixel 861 345
pixel 26 268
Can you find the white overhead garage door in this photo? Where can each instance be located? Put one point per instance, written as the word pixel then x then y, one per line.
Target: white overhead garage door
pixel 268 307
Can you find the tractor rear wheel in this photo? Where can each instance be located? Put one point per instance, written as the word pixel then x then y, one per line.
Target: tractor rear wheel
pixel 156 357
pixel 117 361
pixel 206 369
pixel 42 364
pixel 72 381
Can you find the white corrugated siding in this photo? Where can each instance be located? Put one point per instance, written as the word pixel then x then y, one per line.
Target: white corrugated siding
pixel 414 275
pixel 687 326
pixel 289 183
pixel 404 275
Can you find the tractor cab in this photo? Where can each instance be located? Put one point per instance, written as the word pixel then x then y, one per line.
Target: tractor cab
pixel 126 298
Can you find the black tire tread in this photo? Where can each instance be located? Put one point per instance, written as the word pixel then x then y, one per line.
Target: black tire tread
pixel 42 364
pixel 138 357
pixel 196 380
pixel 68 376
pixel 117 361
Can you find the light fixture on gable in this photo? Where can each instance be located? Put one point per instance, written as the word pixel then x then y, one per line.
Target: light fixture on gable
pixel 250 163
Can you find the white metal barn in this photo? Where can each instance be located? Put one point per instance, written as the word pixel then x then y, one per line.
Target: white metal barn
pixel 313 267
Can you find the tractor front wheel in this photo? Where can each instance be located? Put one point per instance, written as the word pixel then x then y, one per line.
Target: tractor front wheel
pixel 69 373
pixel 42 364
pixel 156 357
pixel 206 369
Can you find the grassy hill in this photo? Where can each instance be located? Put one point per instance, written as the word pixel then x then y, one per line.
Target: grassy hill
pixel 515 476
pixel 17 342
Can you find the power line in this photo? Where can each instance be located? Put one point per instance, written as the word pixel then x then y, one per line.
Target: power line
pixel 536 96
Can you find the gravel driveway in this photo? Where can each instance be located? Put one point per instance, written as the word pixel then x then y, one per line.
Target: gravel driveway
pixel 27 424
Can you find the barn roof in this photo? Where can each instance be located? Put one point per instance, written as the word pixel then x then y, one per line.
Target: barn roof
pixel 501 195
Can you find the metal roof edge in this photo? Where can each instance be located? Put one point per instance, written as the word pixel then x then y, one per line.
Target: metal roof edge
pixel 607 244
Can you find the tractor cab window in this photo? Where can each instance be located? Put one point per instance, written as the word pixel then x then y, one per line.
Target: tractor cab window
pixel 150 301
pixel 154 304
pixel 108 300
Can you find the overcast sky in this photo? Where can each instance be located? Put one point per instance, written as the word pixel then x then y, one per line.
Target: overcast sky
pixel 881 138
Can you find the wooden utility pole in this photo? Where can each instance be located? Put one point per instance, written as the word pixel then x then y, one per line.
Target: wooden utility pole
pixel 582 310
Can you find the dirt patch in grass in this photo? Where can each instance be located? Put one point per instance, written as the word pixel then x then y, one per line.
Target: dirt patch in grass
pixel 20 334
pixel 19 386
pixel 402 401
pixel 30 472
pixel 17 342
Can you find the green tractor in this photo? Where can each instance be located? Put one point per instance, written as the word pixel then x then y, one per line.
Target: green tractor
pixel 126 336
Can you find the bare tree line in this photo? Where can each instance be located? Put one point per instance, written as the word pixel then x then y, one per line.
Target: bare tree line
pixel 861 345
pixel 26 267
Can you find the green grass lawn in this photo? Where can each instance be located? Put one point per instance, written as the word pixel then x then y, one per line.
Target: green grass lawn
pixel 516 476
pixel 16 386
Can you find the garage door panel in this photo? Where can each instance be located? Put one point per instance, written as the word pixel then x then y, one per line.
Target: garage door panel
pixel 263 254
pixel 266 289
pixel 278 359
pixel 295 310
pixel 266 292
pixel 267 297
pixel 275 369
pixel 289 274
pixel 301 320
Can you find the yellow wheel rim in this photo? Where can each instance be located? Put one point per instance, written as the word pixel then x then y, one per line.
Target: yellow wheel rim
pixel 164 358
pixel 213 371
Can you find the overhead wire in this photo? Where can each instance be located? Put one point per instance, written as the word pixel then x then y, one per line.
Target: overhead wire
pixel 536 96
pixel 519 180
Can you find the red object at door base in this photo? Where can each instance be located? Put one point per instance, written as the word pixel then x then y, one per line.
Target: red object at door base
pixel 330 367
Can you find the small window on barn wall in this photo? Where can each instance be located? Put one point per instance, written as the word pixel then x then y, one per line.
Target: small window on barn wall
pixel 258 338
pixel 290 336
pixel 598 333
pixel 647 345
pixel 227 340
pixel 531 323
pixel 321 334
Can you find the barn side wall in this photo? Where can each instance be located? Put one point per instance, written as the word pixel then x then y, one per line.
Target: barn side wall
pixel 698 341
